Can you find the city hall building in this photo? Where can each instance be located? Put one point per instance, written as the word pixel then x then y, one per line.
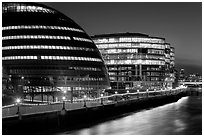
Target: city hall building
pixel 137 61
pixel 45 54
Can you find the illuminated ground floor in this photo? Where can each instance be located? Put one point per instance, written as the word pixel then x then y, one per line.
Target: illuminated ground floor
pixel 55 94
pixel 139 77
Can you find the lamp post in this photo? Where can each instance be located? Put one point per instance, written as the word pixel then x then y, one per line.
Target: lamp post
pixel 127 94
pixel 63 105
pixel 165 91
pixel 147 92
pixel 18 101
pixel 101 99
pixel 138 93
pixel 161 91
pixel 116 96
pixel 84 100
pixel 64 95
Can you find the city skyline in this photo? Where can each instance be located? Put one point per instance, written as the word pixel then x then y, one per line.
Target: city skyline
pixel 55 81
pixel 179 23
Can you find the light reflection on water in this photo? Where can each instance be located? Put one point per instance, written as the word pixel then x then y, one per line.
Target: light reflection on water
pixel 181 117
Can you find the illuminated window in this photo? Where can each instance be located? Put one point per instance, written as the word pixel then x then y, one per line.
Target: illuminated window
pixel 129 39
pixel 71 58
pixel 46 47
pixel 41 27
pixel 19 57
pixel 20 7
pixel 144 62
pixel 82 39
pixel 34 37
pixel 42 57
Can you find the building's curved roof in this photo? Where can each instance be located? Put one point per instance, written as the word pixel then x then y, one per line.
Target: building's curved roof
pixel 127 34
pixel 37 37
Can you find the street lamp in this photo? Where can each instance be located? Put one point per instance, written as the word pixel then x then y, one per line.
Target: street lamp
pixel 138 93
pixel 116 96
pixel 155 92
pixel 84 100
pixel 101 99
pixel 127 93
pixel 161 92
pixel 63 98
pixel 18 101
pixel 147 92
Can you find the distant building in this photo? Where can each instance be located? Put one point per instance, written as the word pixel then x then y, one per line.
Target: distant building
pixel 181 76
pixel 137 61
pixel 193 78
pixel 45 54
pixel 176 78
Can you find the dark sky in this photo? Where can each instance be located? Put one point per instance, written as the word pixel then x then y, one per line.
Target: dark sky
pixel 180 23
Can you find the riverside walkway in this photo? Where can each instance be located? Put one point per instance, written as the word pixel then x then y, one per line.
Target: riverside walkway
pixel 29 109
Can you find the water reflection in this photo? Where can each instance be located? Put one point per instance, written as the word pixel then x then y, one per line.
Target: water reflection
pixel 182 117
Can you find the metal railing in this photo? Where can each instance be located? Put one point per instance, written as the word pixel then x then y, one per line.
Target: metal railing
pixel 29 109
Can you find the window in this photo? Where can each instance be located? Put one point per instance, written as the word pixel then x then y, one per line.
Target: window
pixel 41 27
pixel 46 47
pixel 82 39
pixel 18 57
pixel 144 62
pixel 72 58
pixel 34 37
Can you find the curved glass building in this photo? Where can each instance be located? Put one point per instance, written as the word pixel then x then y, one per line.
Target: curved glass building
pixel 136 60
pixel 45 53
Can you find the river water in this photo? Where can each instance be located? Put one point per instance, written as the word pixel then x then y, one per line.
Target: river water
pixel 183 117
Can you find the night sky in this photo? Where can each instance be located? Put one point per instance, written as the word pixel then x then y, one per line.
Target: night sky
pixel 179 23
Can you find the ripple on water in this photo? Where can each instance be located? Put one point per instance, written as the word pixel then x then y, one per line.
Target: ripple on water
pixel 180 118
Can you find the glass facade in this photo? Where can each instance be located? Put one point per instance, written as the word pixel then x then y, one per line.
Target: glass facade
pixel 45 54
pixel 52 58
pixel 40 27
pixel 50 47
pixel 136 61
